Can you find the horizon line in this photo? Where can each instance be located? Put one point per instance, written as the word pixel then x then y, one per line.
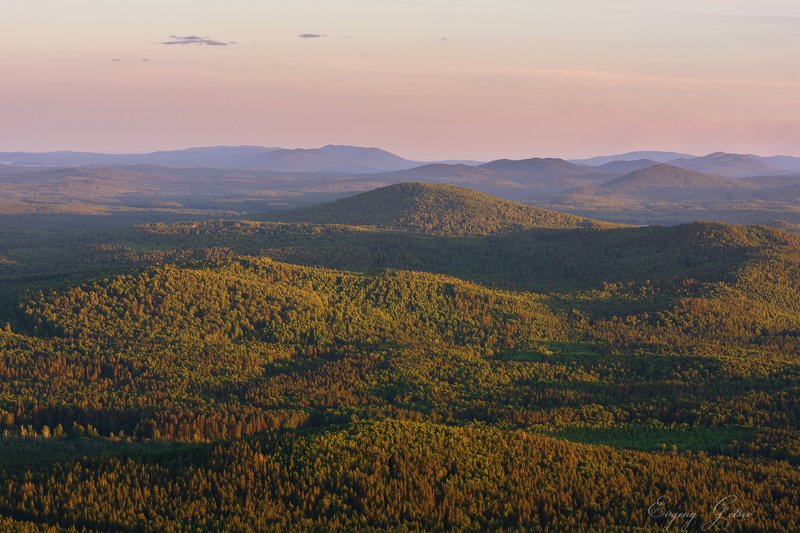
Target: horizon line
pixel 200 147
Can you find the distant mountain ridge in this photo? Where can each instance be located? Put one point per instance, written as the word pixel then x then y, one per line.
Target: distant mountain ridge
pixel 654 155
pixel 720 163
pixel 212 156
pixel 343 160
pixel 783 162
pixel 331 158
pixel 729 165
pixel 503 177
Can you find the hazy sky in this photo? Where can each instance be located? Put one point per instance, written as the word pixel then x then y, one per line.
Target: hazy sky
pixel 423 78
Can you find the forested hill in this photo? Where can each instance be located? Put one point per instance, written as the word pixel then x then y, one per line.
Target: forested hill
pixel 240 375
pixel 661 183
pixel 663 175
pixel 437 209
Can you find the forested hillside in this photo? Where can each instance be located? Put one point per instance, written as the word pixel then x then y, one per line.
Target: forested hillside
pixel 481 366
pixel 436 209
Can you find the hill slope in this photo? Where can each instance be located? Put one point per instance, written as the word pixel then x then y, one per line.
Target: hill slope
pixel 436 209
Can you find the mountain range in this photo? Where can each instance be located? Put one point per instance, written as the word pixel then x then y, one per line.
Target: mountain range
pixel 328 159
pixel 637 187
pixel 720 163
pixel 339 159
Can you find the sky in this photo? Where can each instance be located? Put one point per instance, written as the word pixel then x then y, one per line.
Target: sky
pixel 426 79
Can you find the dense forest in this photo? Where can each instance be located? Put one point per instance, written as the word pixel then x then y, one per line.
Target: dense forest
pixel 415 367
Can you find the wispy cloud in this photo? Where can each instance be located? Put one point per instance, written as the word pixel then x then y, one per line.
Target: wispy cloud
pixel 311 35
pixel 194 39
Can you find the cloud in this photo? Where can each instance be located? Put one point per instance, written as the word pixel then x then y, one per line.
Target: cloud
pixel 194 39
pixel 311 35
pixel 116 59
pixel 444 40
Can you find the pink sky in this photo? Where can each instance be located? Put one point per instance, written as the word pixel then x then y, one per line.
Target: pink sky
pixel 425 79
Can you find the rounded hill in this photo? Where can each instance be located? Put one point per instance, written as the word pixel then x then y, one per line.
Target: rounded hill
pixel 437 209
pixel 667 176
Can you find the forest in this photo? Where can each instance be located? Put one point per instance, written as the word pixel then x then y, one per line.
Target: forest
pixel 413 358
